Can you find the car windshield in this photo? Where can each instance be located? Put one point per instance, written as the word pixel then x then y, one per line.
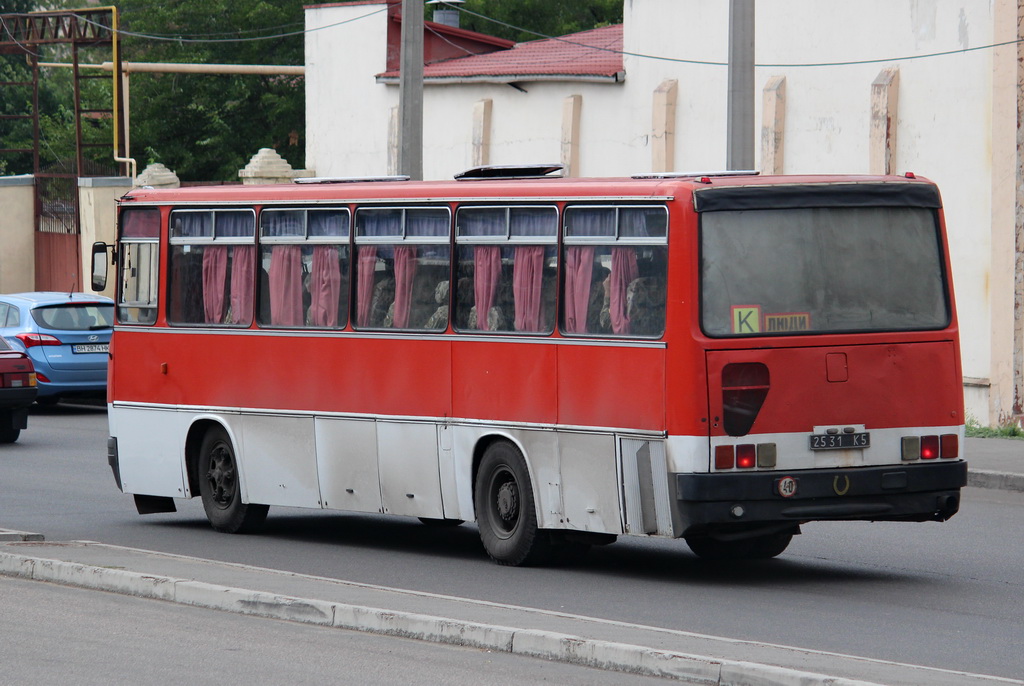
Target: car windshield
pixel 75 316
pixel 4 345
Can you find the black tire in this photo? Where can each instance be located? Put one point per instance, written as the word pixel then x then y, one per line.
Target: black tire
pixel 219 487
pixel 8 434
pixel 505 509
pixel 756 548
pixel 441 523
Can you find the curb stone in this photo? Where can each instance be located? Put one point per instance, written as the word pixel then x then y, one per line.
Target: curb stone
pixel 999 480
pixel 690 669
pixel 10 535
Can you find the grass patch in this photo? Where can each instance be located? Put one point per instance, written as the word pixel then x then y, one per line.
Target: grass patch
pixel 974 429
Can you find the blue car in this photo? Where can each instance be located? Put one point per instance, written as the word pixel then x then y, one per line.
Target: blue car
pixel 67 337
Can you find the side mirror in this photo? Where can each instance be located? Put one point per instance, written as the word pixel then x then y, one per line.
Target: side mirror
pixel 99 265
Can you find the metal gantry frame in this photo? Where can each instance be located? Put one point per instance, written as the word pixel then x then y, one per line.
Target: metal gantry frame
pixel 81 29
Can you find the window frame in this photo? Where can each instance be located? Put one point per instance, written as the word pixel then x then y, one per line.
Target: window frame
pixel 206 241
pixel 610 241
pixel 120 303
pixel 511 240
pixel 340 240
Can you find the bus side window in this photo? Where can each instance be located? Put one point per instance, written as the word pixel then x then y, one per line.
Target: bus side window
pixel 615 271
pixel 403 263
pixel 211 267
pixel 506 269
pixel 304 268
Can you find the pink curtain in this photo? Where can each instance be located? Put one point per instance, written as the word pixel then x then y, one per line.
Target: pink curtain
pixel 624 271
pixel 215 271
pixel 405 272
pixel 486 270
pixel 286 285
pixel 242 270
pixel 325 286
pixel 579 270
pixel 364 283
pixel 527 273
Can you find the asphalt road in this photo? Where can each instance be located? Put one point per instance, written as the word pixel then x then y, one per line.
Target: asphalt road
pixel 946 595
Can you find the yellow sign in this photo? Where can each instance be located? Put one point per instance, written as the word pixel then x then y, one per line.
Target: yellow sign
pixel 746 319
pixel 789 321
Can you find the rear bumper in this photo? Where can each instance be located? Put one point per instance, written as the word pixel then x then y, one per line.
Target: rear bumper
pixel 710 503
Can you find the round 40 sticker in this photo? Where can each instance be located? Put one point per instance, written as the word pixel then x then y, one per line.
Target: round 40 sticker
pixel 787 487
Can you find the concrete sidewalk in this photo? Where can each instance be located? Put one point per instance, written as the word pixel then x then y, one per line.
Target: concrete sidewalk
pixel 995 463
pixel 686 657
pixel 683 656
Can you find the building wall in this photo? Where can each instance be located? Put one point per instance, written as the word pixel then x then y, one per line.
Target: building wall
pixel 17 234
pixel 955 122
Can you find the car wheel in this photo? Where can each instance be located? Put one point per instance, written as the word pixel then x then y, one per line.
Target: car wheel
pixel 220 489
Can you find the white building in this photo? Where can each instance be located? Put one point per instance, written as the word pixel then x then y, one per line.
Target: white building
pixel 871 86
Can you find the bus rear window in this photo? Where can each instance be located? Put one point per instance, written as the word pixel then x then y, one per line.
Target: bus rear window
pixel 818 270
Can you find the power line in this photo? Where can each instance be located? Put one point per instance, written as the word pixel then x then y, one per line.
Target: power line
pixel 639 55
pixel 725 64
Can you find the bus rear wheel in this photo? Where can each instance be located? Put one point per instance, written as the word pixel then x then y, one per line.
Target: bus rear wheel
pixel 505 509
pixel 219 487
pixel 755 548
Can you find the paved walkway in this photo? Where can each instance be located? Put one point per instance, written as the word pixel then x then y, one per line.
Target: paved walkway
pixel 686 657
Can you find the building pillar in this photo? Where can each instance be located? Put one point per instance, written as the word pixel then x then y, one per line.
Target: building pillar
pixel 97 210
pixel 663 127
pixel 884 112
pixel 1006 272
pixel 482 132
pixel 773 125
pixel 571 107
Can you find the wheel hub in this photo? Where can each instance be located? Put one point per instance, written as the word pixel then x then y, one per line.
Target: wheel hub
pixel 508 502
pixel 221 477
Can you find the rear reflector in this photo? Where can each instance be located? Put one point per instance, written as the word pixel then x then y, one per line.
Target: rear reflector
pixel 725 457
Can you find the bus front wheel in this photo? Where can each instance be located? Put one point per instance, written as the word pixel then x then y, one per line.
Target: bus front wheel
pixel 219 487
pixel 755 548
pixel 505 509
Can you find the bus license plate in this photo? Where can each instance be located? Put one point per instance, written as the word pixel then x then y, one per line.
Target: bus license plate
pixel 840 441
pixel 91 348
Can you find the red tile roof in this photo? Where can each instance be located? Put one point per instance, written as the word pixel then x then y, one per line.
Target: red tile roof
pixel 588 55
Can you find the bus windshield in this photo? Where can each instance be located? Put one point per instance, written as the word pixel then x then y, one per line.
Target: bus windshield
pixel 821 270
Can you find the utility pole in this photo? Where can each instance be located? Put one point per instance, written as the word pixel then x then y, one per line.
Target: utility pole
pixel 739 142
pixel 410 87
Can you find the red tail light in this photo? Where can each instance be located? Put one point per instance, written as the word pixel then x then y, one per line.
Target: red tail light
pixel 744 388
pixel 31 340
pixel 929 447
pixel 746 456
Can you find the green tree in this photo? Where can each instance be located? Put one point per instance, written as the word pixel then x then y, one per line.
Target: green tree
pixel 206 127
pixel 545 17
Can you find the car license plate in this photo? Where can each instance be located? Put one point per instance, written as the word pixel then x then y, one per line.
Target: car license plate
pixel 91 347
pixel 840 441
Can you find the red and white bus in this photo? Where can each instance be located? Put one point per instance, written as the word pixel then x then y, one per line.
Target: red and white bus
pixel 719 358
